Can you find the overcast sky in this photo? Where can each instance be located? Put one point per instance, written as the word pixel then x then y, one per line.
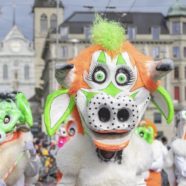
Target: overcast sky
pixel 24 17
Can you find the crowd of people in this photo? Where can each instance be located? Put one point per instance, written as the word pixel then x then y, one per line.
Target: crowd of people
pixel 46 150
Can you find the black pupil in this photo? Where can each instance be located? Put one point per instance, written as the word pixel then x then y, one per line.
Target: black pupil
pixel 141 134
pixel 123 115
pixel 127 74
pixel 104 114
pixel 7 119
pixel 72 131
pixel 99 68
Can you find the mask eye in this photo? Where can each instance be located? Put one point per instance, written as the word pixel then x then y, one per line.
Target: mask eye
pixel 62 132
pixel 123 76
pixel 99 75
pixel 141 133
pixel 72 130
pixel 6 119
pixel 2 136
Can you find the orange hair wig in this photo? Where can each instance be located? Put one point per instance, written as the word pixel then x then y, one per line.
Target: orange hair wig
pixel 83 60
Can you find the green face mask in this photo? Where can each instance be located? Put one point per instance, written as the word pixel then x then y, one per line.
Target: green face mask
pixel 147 133
pixel 10 115
pixel 14 111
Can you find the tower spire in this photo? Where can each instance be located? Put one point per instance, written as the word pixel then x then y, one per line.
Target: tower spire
pixel 14 13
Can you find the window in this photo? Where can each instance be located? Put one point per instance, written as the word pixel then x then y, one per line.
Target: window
pixel 87 32
pixel 155 33
pixel 43 23
pixel 5 71
pixel 185 72
pixel 131 33
pixel 176 28
pixel 157 118
pixel 184 52
pixel 176 72
pixel 27 72
pixel 156 52
pixel 64 32
pixel 177 93
pixel 53 21
pixel 184 28
pixel 176 52
pixel 185 93
pixel 64 51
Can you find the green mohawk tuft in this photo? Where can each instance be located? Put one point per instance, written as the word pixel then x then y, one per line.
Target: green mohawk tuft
pixel 108 34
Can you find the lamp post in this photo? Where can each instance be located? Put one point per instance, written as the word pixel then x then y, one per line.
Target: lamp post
pixel 57 48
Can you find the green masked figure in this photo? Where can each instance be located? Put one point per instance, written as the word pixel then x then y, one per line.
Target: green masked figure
pixel 14 112
pixel 17 153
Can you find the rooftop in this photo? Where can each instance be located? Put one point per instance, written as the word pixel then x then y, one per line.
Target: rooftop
pixel 177 9
pixel 143 21
pixel 47 4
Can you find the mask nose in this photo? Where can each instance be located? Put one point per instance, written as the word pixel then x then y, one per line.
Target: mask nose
pixel 123 115
pixel 104 114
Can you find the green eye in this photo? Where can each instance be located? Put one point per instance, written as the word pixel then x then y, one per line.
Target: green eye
pixel 9 122
pixel 6 119
pixel 2 135
pixel 141 133
pixel 121 78
pixel 99 75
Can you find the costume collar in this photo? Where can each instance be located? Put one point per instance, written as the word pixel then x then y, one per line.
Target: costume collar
pixel 16 135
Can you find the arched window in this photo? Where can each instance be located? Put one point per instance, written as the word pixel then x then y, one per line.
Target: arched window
pixel 43 23
pixel 5 71
pixel 27 72
pixel 53 21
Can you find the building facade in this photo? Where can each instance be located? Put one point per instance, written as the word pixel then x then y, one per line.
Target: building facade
pixel 152 33
pixel 17 56
pixel 46 18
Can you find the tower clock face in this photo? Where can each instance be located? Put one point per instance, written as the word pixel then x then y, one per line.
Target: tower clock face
pixel 15 46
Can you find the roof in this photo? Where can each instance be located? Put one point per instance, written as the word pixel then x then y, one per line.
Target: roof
pixel 14 33
pixel 177 9
pixel 143 21
pixel 47 4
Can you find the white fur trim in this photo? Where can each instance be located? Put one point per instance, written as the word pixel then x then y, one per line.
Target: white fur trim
pixel 79 158
pixel 9 153
pixel 179 147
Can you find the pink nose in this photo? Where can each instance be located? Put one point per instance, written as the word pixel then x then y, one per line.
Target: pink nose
pixel 62 141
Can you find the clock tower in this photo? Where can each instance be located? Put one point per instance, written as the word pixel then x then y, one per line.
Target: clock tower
pixel 48 15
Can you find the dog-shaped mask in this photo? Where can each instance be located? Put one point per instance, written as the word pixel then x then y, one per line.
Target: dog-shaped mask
pixel 108 88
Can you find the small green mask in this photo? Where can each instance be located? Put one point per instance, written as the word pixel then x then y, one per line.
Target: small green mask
pixel 14 110
pixel 147 133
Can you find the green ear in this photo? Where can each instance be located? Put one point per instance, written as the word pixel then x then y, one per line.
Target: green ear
pixel 58 107
pixel 163 102
pixel 23 104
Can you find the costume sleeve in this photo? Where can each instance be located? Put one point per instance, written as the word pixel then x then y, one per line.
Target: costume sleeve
pixel 157 164
pixel 180 163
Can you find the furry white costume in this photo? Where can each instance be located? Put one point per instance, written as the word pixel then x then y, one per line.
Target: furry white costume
pixel 159 155
pixel 110 86
pixel 78 160
pixel 152 176
pixel 176 166
pixel 17 153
